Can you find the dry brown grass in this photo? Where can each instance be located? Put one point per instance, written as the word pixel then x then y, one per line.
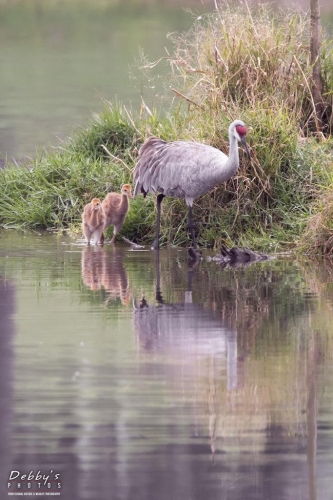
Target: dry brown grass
pixel 318 236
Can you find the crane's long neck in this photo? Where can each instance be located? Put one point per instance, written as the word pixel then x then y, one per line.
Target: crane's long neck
pixel 231 164
pixel 124 203
pixel 233 160
pixel 96 214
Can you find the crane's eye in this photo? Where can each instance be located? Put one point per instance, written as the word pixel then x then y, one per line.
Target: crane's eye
pixel 241 129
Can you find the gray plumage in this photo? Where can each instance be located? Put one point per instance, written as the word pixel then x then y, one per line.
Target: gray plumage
pixel 185 169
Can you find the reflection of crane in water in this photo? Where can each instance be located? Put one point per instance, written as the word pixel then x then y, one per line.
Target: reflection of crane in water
pixel 102 268
pixel 185 329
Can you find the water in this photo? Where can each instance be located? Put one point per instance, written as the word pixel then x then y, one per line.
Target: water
pixel 60 63
pixel 133 377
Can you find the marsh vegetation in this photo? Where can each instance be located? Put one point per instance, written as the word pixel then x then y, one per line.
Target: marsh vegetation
pixel 243 63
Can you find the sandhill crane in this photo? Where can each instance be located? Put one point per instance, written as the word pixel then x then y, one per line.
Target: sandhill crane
pixel 185 169
pixel 93 220
pixel 116 206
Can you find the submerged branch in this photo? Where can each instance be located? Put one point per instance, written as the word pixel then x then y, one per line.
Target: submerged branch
pixel 135 246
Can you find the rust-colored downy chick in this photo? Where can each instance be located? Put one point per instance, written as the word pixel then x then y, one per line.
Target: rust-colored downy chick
pixel 115 207
pixel 93 221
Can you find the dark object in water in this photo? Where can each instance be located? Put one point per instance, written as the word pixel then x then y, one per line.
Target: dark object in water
pixel 235 257
pixel 195 254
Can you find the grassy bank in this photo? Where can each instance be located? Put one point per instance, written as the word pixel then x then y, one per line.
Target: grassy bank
pixel 252 65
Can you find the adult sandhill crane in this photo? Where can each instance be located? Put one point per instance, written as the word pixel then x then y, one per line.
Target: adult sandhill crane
pixel 185 169
pixel 115 206
pixel 93 220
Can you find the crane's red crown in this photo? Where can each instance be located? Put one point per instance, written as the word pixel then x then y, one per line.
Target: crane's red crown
pixel 241 130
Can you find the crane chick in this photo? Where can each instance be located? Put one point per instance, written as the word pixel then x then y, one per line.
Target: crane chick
pixel 93 220
pixel 115 207
pixel 185 169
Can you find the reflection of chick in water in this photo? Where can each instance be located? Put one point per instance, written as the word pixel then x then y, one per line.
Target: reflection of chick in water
pixel 114 278
pixel 92 267
pixel 93 220
pixel 102 268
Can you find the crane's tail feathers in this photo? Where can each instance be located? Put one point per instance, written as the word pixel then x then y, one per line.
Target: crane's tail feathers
pixel 139 189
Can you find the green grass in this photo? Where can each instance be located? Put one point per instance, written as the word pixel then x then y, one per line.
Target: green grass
pixel 252 65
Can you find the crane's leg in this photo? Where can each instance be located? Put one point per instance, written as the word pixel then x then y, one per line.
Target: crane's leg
pixel 191 227
pixel 156 244
pixel 98 235
pixel 116 230
pixel 86 231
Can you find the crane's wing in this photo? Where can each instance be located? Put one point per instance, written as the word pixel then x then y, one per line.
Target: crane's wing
pixel 172 168
pixel 157 169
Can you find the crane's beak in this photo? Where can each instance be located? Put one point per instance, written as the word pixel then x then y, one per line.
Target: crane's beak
pixel 243 141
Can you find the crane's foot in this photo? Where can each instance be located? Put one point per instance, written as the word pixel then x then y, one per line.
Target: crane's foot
pixel 195 254
pixel 156 244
